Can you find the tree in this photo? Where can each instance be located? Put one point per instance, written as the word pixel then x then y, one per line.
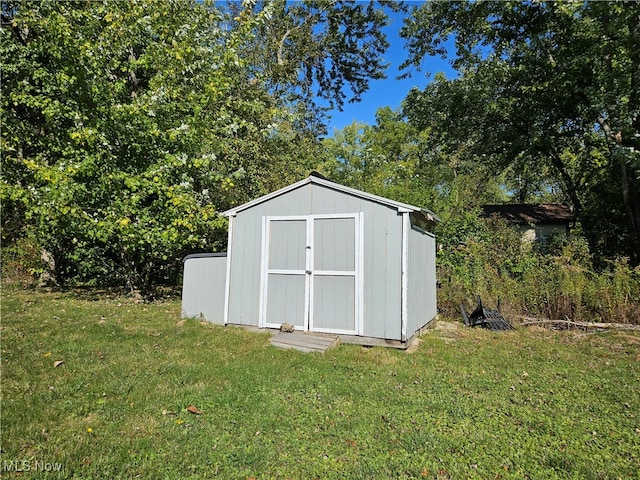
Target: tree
pixel 100 128
pixel 318 53
pixel 127 126
pixel 394 159
pixel 548 88
pixel 382 159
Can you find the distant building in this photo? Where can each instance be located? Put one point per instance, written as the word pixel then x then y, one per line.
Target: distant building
pixel 536 221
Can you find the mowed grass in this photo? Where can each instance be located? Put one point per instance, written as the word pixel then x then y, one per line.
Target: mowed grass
pixel 466 404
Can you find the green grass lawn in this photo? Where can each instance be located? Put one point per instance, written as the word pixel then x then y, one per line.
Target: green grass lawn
pixel 471 404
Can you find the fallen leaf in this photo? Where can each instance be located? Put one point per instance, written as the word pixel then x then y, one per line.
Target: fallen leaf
pixel 57 363
pixel 194 410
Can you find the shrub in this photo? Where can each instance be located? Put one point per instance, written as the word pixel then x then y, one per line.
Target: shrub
pixel 21 264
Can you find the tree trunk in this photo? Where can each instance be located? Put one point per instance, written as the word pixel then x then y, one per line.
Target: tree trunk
pixel 570 187
pixel 629 141
pixel 631 198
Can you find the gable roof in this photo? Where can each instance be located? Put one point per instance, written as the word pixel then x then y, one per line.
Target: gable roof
pixel 317 179
pixel 530 213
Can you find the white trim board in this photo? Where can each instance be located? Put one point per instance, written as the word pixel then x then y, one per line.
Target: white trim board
pixel 227 287
pixel 406 225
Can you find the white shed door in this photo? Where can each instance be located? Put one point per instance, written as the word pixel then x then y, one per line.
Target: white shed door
pixel 311 273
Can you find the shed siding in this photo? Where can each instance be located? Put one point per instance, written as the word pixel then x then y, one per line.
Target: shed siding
pixel 203 287
pixel 287 245
pixel 382 255
pixel 244 273
pixel 286 302
pixel 334 301
pixel 338 237
pixel 382 266
pixel 422 302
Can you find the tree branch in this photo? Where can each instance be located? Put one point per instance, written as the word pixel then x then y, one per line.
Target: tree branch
pixel 289 31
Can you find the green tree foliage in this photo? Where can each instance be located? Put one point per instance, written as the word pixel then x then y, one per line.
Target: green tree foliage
pixel 549 94
pixel 102 118
pixel 127 126
pixel 395 159
pixel 319 53
pixel 384 159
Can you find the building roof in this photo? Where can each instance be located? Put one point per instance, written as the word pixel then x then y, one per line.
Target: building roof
pixel 317 179
pixel 530 213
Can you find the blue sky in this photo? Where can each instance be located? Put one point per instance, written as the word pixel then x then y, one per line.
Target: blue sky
pixel 389 92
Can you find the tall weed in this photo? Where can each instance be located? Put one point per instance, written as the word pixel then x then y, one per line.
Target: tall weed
pixel 556 281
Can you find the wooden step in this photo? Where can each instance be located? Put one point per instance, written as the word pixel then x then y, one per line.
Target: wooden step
pixel 304 342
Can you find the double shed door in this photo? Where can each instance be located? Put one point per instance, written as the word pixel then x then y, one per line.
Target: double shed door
pixel 312 272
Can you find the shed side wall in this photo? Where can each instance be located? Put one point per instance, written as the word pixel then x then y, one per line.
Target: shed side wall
pixel 203 288
pixel 422 298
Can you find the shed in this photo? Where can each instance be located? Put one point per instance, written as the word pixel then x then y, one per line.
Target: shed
pixel 203 286
pixel 537 222
pixel 328 258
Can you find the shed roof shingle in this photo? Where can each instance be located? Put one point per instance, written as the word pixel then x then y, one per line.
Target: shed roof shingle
pixel 530 213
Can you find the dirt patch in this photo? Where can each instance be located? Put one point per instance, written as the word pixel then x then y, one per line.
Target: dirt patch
pixel 446 326
pixel 415 344
pixel 448 331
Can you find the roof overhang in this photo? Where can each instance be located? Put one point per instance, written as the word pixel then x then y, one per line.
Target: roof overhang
pixel 534 213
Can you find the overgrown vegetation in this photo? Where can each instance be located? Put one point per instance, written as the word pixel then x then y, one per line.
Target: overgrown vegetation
pixel 126 127
pixel 556 281
pixel 473 404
